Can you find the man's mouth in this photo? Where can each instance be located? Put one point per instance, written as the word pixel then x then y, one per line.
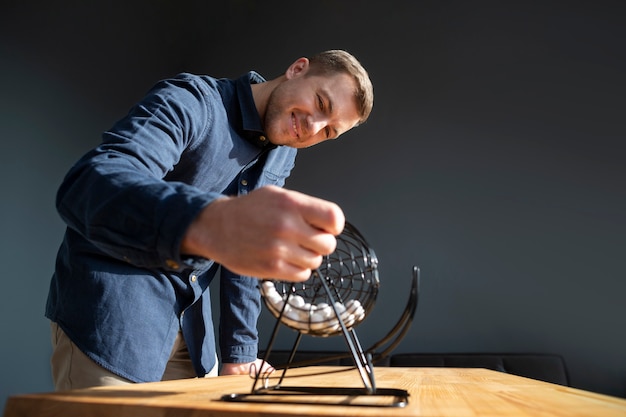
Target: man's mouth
pixel 294 125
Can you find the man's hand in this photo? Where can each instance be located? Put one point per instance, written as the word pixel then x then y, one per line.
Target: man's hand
pixel 251 368
pixel 269 233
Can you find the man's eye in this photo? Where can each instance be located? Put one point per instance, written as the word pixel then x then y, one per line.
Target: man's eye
pixel 320 102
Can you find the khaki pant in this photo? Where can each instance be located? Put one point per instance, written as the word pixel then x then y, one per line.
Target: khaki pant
pixel 72 369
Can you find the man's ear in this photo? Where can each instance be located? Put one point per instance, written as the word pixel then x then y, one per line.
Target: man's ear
pixel 298 68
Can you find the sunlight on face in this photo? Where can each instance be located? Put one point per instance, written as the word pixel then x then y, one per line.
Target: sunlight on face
pixel 305 111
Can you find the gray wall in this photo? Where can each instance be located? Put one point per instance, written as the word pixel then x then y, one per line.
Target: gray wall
pixel 494 158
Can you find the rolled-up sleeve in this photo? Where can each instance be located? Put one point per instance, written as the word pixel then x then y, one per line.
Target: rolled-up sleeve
pixel 240 306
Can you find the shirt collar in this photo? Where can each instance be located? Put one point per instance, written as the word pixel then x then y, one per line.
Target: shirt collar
pixel 250 120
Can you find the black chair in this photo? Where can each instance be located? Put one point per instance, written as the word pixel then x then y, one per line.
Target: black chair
pixel 544 367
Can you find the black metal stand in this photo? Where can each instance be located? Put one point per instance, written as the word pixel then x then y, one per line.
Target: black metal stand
pixel 278 393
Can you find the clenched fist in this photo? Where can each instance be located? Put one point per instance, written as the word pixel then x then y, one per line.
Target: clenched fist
pixel 269 233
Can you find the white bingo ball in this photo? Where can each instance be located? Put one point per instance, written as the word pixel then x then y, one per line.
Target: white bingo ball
pixel 355 308
pixel 339 307
pixel 267 285
pixel 303 315
pixel 318 320
pixel 316 317
pixel 275 299
pixel 333 326
pixel 352 305
pixel 296 301
pixel 291 314
pixel 277 304
pixel 326 310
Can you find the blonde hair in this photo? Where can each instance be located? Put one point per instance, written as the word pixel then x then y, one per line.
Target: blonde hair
pixel 339 61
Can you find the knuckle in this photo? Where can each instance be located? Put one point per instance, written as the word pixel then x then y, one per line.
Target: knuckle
pixel 272 265
pixel 316 261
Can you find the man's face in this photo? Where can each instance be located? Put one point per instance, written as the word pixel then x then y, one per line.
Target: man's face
pixel 304 111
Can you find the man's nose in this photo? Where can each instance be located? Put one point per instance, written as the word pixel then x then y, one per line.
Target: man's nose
pixel 316 123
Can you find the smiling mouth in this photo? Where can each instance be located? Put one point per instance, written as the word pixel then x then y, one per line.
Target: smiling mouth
pixel 294 126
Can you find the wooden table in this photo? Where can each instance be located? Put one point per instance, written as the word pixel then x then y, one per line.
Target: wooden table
pixel 433 392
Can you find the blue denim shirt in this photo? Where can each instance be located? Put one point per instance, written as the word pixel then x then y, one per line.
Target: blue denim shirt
pixel 121 289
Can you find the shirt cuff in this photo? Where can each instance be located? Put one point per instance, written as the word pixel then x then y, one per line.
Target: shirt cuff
pixel 240 354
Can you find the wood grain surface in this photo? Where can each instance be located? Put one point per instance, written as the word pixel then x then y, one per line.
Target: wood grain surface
pixel 432 392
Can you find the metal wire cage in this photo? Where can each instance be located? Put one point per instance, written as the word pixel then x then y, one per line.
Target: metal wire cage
pixel 351 274
pixel 334 300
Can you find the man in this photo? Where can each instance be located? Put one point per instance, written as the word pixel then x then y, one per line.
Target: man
pixel 185 187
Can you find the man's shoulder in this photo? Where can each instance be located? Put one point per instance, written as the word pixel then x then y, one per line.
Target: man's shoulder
pixel 189 88
pixel 197 79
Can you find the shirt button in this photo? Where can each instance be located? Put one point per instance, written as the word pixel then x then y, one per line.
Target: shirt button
pixel 244 182
pixel 172 264
pixel 194 278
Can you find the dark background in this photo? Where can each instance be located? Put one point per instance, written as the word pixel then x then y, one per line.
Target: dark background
pixel 493 159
